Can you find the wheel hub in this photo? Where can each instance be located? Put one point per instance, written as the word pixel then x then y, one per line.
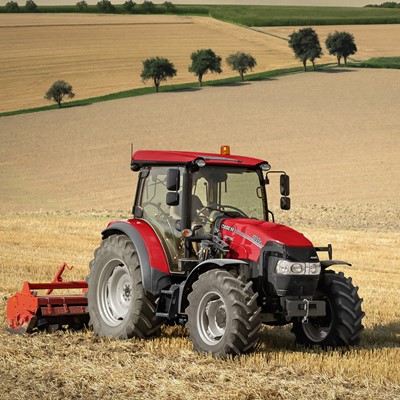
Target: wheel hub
pixel 212 318
pixel 114 292
pixel 318 328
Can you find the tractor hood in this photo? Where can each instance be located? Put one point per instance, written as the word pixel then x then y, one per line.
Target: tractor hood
pixel 246 237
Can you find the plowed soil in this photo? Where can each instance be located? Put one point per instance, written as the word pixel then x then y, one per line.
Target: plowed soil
pixel 335 132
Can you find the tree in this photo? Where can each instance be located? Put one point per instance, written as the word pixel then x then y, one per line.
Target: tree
pixel 12 7
pixel 204 60
pixel 148 6
pixel 129 5
pixel 105 6
pixel 341 44
pixel 58 91
pixel 241 62
pixel 30 6
pixel 305 45
pixel 169 7
pixel 158 69
pixel 82 5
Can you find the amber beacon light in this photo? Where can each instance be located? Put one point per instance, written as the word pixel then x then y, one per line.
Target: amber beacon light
pixel 225 150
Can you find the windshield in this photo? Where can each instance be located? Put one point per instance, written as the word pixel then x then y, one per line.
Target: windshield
pixel 234 191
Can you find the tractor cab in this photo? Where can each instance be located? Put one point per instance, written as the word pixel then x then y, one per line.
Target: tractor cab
pixel 187 196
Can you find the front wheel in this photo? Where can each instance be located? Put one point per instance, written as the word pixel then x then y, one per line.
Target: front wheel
pixel 341 326
pixel 223 314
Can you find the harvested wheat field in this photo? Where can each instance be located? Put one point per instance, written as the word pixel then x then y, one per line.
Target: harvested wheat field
pixel 102 54
pixel 371 40
pixel 65 173
pixel 78 365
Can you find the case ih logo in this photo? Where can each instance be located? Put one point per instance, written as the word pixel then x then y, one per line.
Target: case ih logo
pixel 253 239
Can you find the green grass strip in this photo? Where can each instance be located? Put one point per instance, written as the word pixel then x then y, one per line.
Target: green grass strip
pixel 379 62
pixel 260 76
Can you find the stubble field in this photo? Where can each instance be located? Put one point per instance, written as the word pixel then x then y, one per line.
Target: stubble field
pixel 65 173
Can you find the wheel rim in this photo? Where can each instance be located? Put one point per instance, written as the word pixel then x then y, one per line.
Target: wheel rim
pixel 211 318
pixel 317 329
pixel 114 292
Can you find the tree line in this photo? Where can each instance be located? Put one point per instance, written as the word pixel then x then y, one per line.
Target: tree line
pixel 386 4
pixel 104 6
pixel 304 43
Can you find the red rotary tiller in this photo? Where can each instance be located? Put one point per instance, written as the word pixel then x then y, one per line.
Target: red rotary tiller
pixel 27 309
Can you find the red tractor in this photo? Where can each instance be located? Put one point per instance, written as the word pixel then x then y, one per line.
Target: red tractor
pixel 203 250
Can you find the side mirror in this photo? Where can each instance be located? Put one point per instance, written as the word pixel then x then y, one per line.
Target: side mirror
pixel 172 198
pixel 173 177
pixel 285 185
pixel 285 203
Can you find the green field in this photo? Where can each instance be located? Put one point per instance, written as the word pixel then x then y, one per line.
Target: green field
pixel 380 62
pixel 296 16
pixel 265 15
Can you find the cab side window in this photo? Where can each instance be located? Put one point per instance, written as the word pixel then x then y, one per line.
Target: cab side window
pixel 158 214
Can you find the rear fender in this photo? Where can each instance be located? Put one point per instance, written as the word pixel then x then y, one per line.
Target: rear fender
pixel 200 269
pixel 152 258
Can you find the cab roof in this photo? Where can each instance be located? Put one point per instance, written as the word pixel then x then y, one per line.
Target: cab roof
pixel 157 157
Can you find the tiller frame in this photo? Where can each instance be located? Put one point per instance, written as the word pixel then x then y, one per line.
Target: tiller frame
pixel 27 310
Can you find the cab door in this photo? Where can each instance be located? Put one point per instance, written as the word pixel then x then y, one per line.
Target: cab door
pixel 163 219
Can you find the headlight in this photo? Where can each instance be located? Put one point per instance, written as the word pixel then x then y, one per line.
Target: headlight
pixel 285 267
pixel 314 268
pixel 297 268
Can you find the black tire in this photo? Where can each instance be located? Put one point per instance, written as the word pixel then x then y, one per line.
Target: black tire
pixel 342 326
pixel 223 314
pixel 118 305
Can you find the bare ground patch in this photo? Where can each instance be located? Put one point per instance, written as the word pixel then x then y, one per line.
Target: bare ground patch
pixel 336 134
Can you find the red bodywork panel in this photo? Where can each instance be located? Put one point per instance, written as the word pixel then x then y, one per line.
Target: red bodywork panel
pixel 246 237
pixel 157 257
pixel 155 157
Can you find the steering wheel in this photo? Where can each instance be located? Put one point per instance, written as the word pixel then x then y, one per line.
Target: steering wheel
pixel 219 208
pixel 203 217
pixel 242 213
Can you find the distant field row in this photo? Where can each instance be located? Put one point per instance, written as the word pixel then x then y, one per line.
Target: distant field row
pixel 102 54
pixel 263 15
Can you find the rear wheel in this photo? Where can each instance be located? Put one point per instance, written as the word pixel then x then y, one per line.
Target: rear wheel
pixel 223 314
pixel 118 305
pixel 342 324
